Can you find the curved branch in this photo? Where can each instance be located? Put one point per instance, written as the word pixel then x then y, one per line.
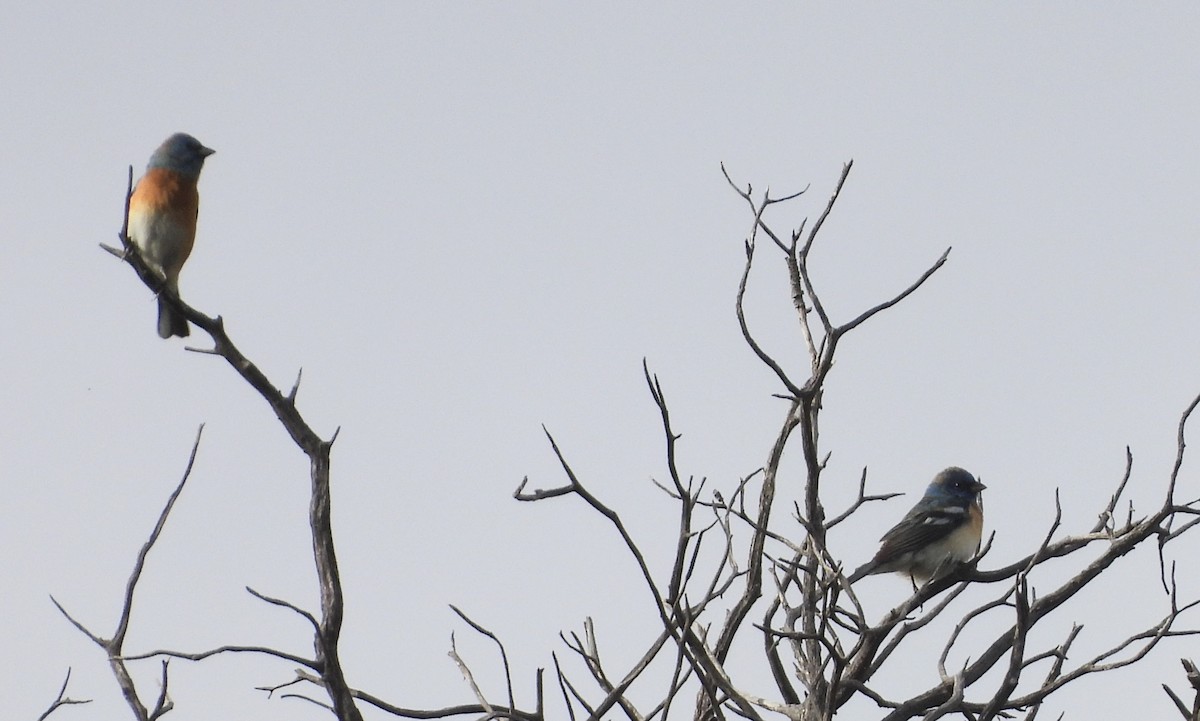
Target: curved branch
pixel 114 647
pixel 201 655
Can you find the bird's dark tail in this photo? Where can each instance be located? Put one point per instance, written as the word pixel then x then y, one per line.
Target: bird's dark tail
pixel 170 322
pixel 864 570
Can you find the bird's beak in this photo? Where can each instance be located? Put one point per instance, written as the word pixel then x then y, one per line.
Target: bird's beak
pixel 205 152
pixel 979 487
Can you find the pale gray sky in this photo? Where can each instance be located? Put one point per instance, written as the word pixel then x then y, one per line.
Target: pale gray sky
pixel 466 220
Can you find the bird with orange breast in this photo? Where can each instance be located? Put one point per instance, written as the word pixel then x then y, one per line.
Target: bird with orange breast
pixel 162 217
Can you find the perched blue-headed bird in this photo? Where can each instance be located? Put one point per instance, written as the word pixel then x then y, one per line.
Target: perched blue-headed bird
pixel 941 532
pixel 162 217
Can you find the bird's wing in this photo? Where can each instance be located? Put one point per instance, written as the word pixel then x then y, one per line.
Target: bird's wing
pixel 921 527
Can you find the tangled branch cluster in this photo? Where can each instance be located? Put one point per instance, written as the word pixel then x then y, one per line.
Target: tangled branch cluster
pixel 734 575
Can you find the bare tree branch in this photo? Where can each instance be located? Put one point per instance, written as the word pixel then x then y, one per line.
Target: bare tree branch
pixel 316 625
pixel 113 647
pixel 1193 678
pixel 201 655
pixel 503 654
pixel 63 700
pixel 470 678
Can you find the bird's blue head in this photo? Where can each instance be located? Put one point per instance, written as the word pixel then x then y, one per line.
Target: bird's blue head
pixel 954 483
pixel 181 153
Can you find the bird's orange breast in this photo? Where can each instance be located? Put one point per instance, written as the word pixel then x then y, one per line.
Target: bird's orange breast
pixel 163 191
